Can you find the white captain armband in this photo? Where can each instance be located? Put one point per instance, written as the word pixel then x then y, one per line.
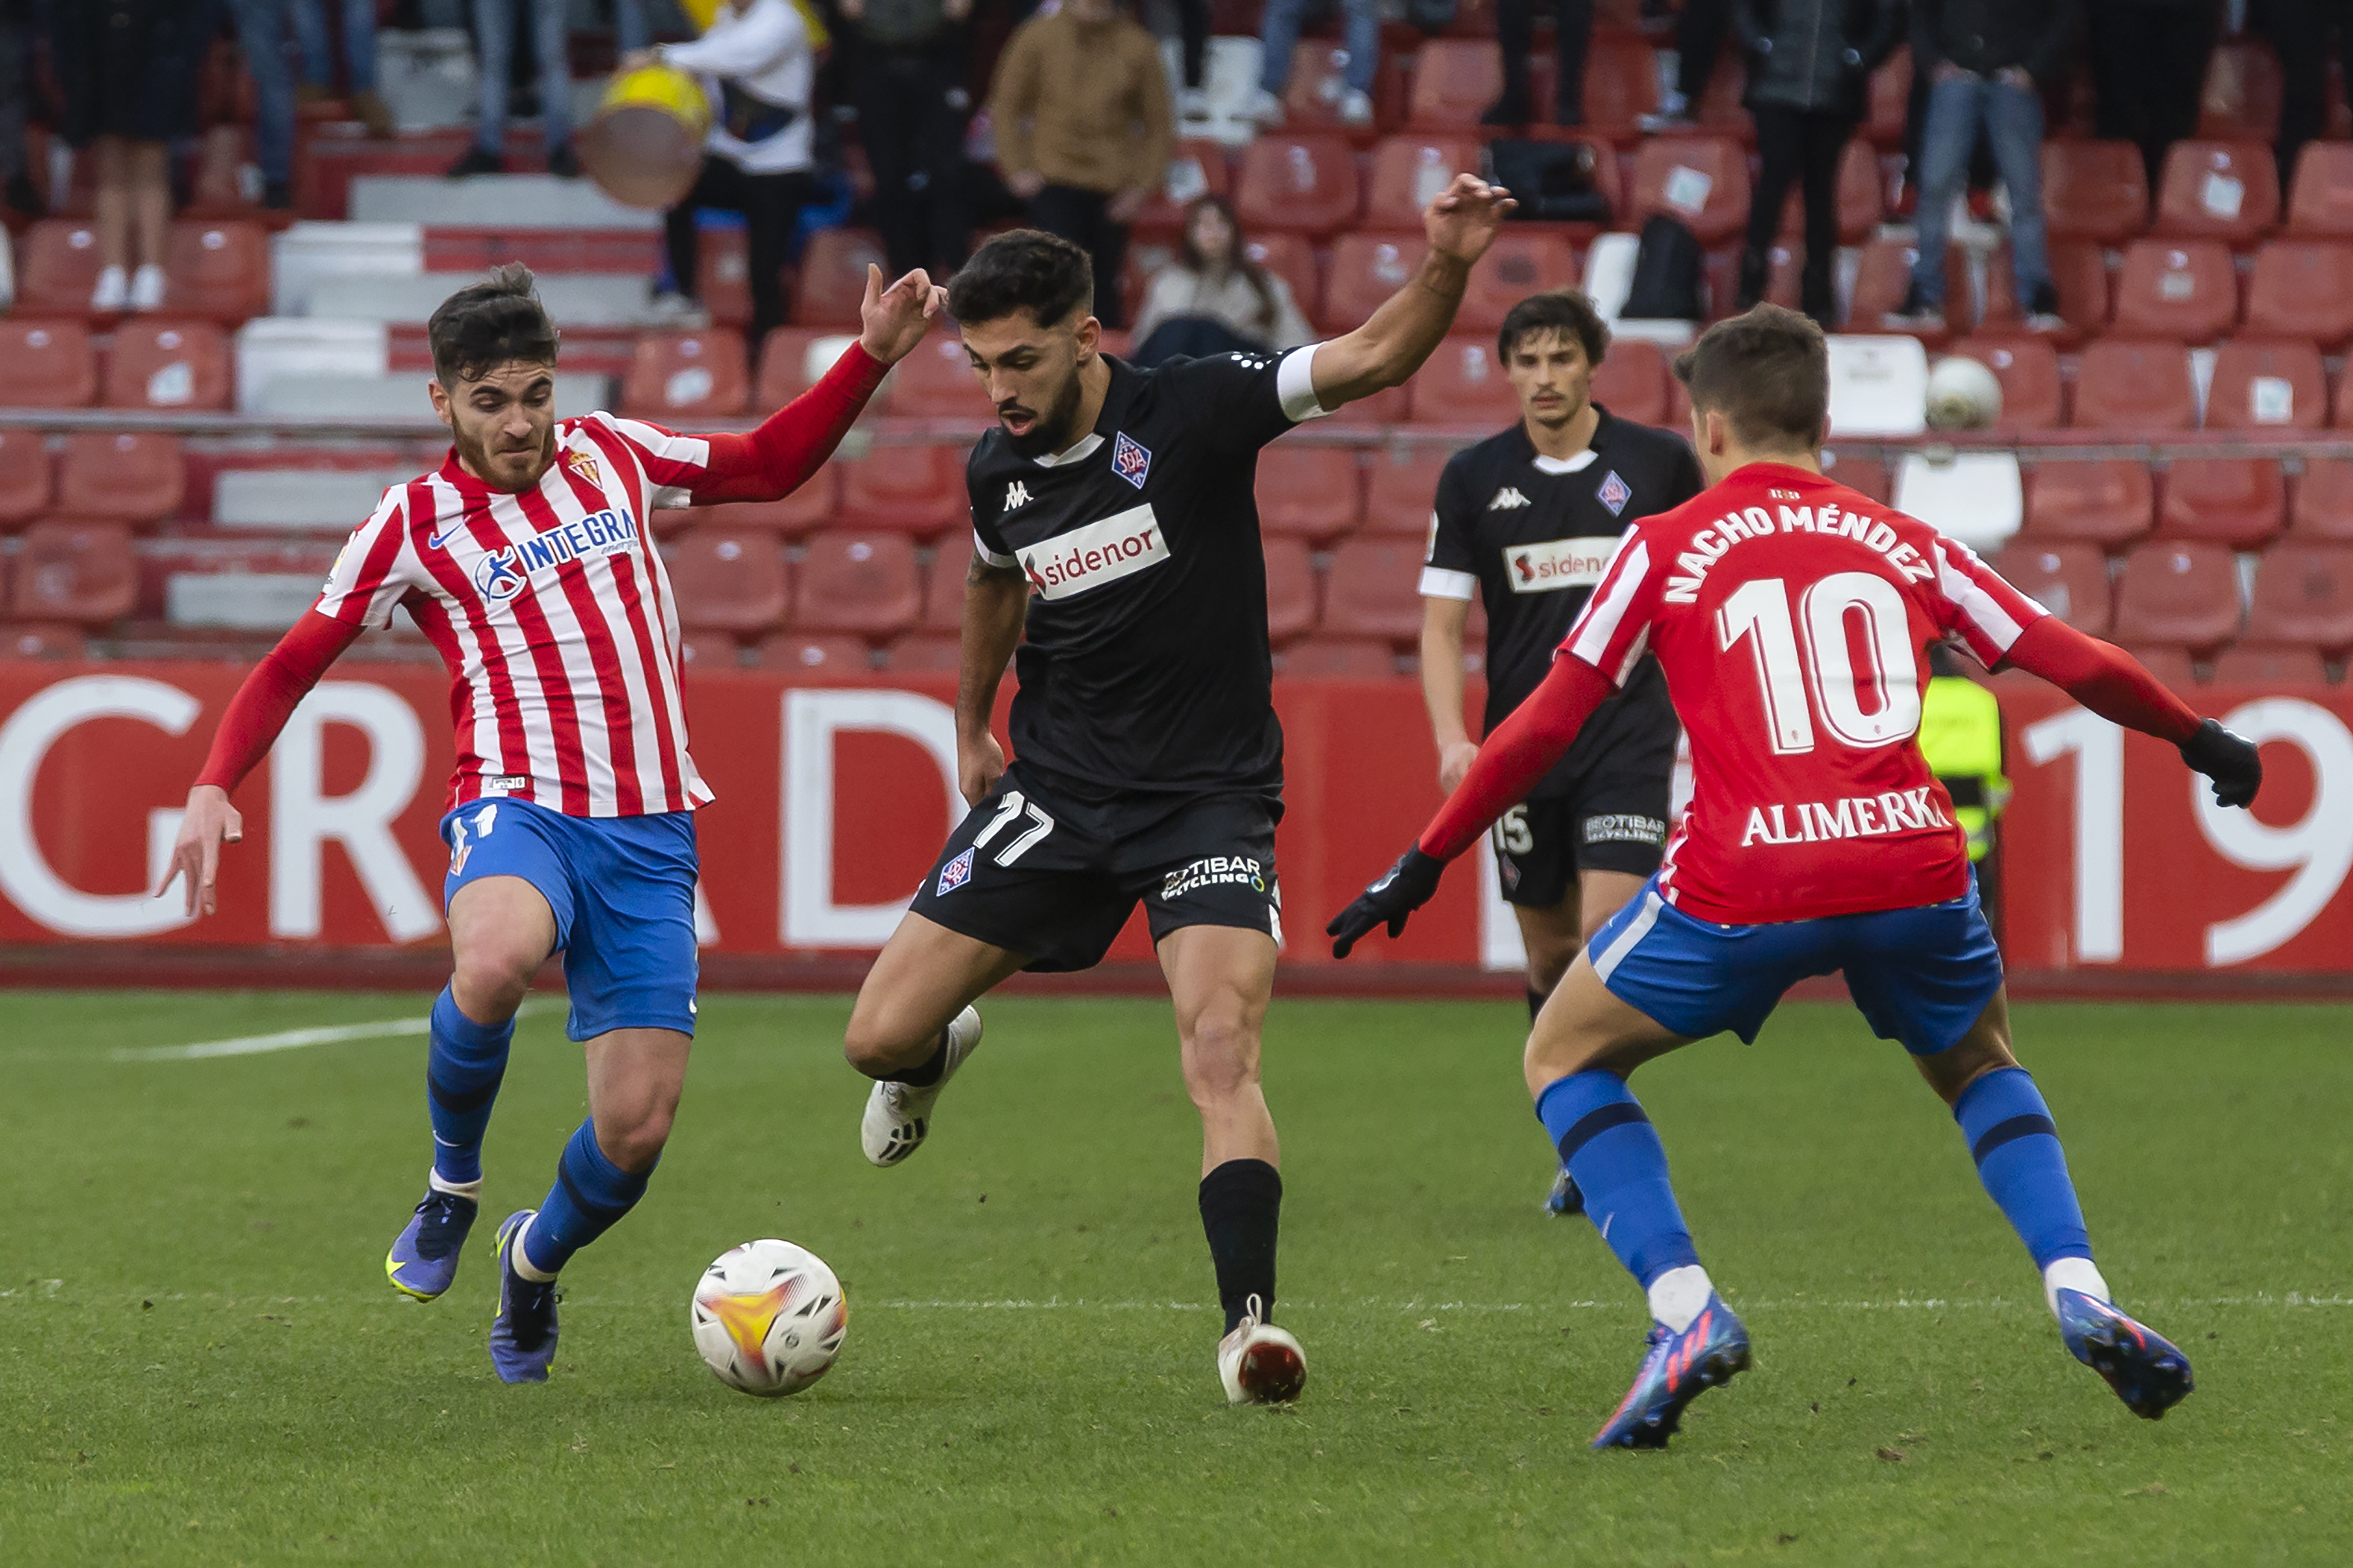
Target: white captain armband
pixel 1294 385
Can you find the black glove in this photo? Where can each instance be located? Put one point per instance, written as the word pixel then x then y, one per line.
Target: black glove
pixel 2231 760
pixel 1394 894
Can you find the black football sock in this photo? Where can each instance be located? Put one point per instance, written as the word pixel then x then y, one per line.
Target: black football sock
pixel 1241 1205
pixel 1536 1002
pixel 928 1072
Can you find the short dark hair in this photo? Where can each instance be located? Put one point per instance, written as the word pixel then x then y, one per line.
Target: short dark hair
pixel 1564 311
pixel 487 323
pixel 1767 372
pixel 1023 270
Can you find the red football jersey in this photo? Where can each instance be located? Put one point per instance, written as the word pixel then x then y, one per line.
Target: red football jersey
pixel 1791 616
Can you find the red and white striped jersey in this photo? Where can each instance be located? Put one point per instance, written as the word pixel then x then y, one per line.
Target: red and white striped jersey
pixel 553 611
pixel 1790 616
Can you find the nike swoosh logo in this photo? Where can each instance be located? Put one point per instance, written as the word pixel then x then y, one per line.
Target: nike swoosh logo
pixel 438 540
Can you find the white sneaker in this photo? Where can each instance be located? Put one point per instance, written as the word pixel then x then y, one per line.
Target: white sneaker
pixel 1263 108
pixel 1193 104
pixel 147 288
pixel 114 291
pixel 1356 108
pixel 1260 1363
pixel 899 1116
pixel 673 309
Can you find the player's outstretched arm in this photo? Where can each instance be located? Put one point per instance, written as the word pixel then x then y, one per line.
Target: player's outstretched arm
pixel 254 717
pixel 793 443
pixel 1522 751
pixel 2113 684
pixel 1388 348
pixel 996 605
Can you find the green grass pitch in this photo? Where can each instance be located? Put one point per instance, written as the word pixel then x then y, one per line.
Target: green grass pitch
pixel 200 1361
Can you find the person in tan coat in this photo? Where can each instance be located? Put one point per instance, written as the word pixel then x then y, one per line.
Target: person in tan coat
pixel 1084 127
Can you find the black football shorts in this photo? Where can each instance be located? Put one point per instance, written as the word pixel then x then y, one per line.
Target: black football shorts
pixel 1612 822
pixel 1038 872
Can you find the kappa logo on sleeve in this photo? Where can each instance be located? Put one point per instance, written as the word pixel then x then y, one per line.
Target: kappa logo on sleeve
pixel 1130 461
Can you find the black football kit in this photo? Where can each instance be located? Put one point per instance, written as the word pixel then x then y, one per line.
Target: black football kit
pixel 1147 761
pixel 1531 535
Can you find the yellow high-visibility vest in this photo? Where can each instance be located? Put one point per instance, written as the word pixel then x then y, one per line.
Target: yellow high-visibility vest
pixel 1960 735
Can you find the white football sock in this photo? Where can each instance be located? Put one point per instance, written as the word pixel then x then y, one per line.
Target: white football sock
pixel 2073 1274
pixel 521 1259
pixel 472 1189
pixel 1679 1295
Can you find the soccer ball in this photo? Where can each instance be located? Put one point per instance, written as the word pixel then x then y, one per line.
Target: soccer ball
pixel 769 1318
pixel 1963 395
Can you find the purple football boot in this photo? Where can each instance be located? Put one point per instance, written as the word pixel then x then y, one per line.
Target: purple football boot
pixel 522 1336
pixel 2148 1371
pixel 1674 1373
pixel 424 1256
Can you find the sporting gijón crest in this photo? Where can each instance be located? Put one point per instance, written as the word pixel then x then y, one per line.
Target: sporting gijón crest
pixel 1129 460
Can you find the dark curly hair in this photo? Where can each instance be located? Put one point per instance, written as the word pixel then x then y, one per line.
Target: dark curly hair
pixel 1025 270
pixel 1564 310
pixel 487 323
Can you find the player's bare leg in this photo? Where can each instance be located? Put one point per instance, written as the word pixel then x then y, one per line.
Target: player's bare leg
pixel 913 1024
pixel 1552 938
pixel 1219 978
pixel 2016 1147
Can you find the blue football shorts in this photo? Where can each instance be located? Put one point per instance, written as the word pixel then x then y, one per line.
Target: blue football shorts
pixel 622 889
pixel 1921 976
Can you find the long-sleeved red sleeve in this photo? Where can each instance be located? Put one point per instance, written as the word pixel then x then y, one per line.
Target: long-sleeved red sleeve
pixel 792 443
pixel 2102 677
pixel 1521 751
pixel 260 708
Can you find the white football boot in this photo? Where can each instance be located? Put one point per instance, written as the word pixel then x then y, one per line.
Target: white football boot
pixel 1260 1363
pixel 899 1116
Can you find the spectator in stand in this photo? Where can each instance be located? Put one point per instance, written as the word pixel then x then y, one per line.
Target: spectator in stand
pixel 494 26
pixel 2298 30
pixel 359 60
pixel 1700 27
pixel 1084 130
pixel 129 69
pixel 756 66
pixel 1193 33
pixel 1572 22
pixel 17 186
pixel 1809 65
pixel 1989 61
pixel 911 113
pixel 261 29
pixel 2148 67
pixel 1279 43
pixel 1213 299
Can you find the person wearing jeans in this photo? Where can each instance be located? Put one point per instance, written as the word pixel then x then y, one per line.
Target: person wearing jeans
pixel 261 27
pixel 494 42
pixel 1278 42
pixel 359 57
pixel 1987 60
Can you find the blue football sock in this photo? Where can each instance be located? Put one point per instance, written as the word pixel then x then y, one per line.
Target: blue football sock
pixel 590 1193
pixel 462 1069
pixel 1614 1155
pixel 2018 1159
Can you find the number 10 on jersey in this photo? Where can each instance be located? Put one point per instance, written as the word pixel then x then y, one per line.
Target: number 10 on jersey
pixel 1829 672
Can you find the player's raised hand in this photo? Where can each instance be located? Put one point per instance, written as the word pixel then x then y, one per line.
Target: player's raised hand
pixel 898 316
pixel 1394 894
pixel 208 822
pixel 1463 219
pixel 2230 759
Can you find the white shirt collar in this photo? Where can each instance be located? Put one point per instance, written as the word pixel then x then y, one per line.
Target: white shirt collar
pixel 1576 464
pixel 1079 454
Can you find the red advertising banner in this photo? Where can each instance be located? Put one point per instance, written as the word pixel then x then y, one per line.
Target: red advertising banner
pixel 833 801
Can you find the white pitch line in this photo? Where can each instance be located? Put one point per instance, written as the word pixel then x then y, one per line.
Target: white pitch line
pixel 291 1039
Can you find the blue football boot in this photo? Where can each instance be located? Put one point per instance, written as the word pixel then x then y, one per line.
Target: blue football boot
pixel 522 1336
pixel 1678 1367
pixel 1564 1199
pixel 424 1256
pixel 2148 1371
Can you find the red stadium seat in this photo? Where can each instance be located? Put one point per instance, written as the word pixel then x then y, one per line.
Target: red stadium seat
pixel 944 590
pixel 2218 190
pixel 1883 276
pixel 2323 508
pixel 2304 593
pixel 2320 204
pixel 1621 84
pixel 1631 382
pixel 1408 172
pixel 75 570
pixel 168 365
pixel 1366 269
pixel 804 511
pixel 2105 501
pixel 1862 198
pixel 1297 185
pixel 2095 190
pixel 2270 665
pixel 925 651
pixel 1318 81
pixel 1518 264
pixel 47 363
pixel 833 277
pixel 723 273
pixel 27 483
pixel 2240 99
pixel 2028 369
pixel 1700 181
pixel 1372 415
pixel 1463 383
pixel 2267 386
pixel 1454 81
pixel 906 490
pixel 1864 475
pixel 2067 577
pixel 2238 502
pixel 2303 289
pixel 727 581
pixel 1290 258
pixel 798 653
pixel 2131 386
pixel 37 640
pixel 1289 591
pixel 58 268
pixel 131 478
pixel 937 382
pixel 1195 168
pixel 2169 662
pixel 685 376
pixel 708 651
pixel 217 272
pixel 2185 593
pixel 1884 120
pixel 857 585
pixel 1309 492
pixel 1401 486
pixel 1338 659
pixel 2188 291
pixel 784 366
pixel 1374 590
